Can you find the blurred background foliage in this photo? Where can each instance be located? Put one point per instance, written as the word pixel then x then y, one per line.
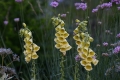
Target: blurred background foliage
pixel 37 15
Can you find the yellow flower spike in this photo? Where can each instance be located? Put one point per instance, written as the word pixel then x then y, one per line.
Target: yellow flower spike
pixel 27 59
pixel 35 47
pixel 28 34
pixel 89 59
pixel 24 24
pixel 91 53
pixel 83 62
pixel 83 56
pixel 90 39
pixel 88 67
pixel 77 20
pixel 85 22
pixel 58 28
pixel 95 62
pixel 34 55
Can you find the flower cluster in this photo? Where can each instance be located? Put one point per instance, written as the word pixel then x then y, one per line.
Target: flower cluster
pixel 115 1
pixel 82 6
pixel 61 35
pixel 83 40
pixel 118 35
pixel 54 4
pixel 116 50
pixel 30 47
pixel 102 6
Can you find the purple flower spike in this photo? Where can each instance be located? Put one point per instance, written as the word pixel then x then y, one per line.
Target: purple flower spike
pixel 54 4
pixel 16 19
pixel 105 44
pixel 63 15
pixel 5 22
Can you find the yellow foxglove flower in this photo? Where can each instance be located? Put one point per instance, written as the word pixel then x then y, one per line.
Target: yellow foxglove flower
pixel 90 39
pixel 65 35
pixel 83 62
pixel 28 51
pixel 58 28
pixel 24 24
pixel 29 34
pixel 56 40
pixel 85 50
pixel 27 59
pixel 78 42
pixel 57 34
pixel 76 31
pixel 62 31
pixel 68 47
pixel 62 50
pixel 29 55
pixel 83 56
pixel 88 67
pixel 35 47
pixel 25 53
pixel 77 20
pixel 89 59
pixel 95 62
pixel 91 53
pixel 62 23
pixel 87 44
pixel 28 41
pixel 34 55
pixel 79 49
pixel 76 37
pixel 61 39
pixel 58 46
pixel 82 35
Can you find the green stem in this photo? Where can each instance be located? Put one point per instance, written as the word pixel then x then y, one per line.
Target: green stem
pixel 88 76
pixel 62 68
pixel 33 72
pixel 77 75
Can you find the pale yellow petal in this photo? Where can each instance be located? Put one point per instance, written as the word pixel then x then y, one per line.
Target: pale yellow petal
pixel 95 62
pixel 88 67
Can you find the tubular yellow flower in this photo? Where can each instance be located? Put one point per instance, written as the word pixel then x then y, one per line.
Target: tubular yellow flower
pixel 35 47
pixel 79 49
pixel 76 37
pixel 34 55
pixel 90 39
pixel 61 39
pixel 68 47
pixel 89 59
pixel 27 59
pixel 78 42
pixel 83 56
pixel 88 67
pixel 91 53
pixel 62 50
pixel 58 46
pixel 58 28
pixel 87 44
pixel 57 34
pixel 66 35
pixel 61 31
pixel 76 30
pixel 83 62
pixel 24 24
pixel 95 62
pixel 85 50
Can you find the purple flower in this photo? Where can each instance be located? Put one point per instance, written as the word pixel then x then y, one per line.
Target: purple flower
pixel 94 10
pixel 115 1
pixel 5 22
pixel 18 1
pixel 116 50
pixel 118 35
pixel 16 19
pixel 105 54
pixel 105 44
pixel 82 6
pixel 63 15
pixel 118 8
pixel 106 5
pixel 77 58
pixel 54 4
